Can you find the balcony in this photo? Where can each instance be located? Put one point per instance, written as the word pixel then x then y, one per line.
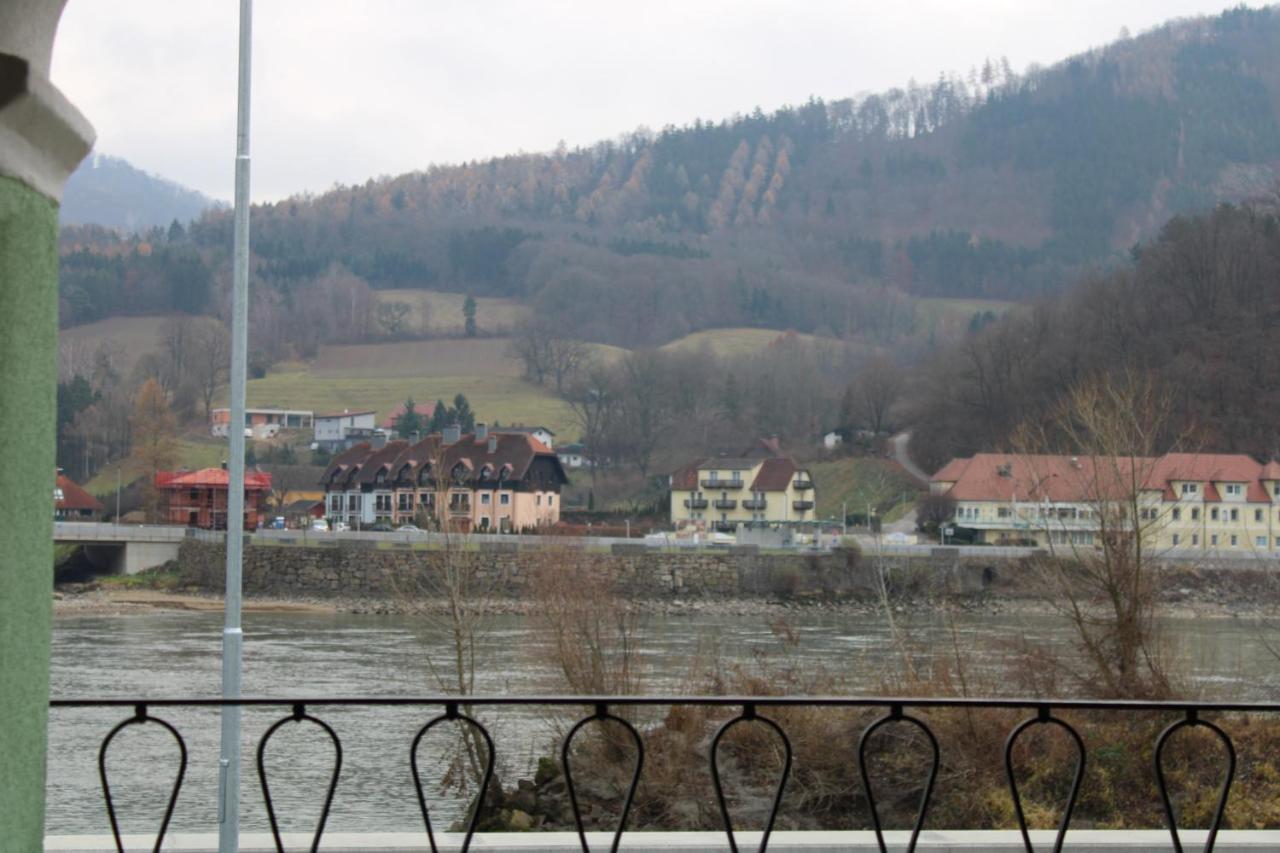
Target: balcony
pixel 725 526
pixel 802 506
pixel 695 503
pixel 315 740
pixel 755 503
pixel 802 485
pixel 726 503
pixel 460 508
pixel 722 484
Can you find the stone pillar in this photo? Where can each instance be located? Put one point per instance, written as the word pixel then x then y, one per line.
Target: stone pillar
pixel 42 139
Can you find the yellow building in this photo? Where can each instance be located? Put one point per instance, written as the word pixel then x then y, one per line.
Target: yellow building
pixel 1183 501
pixel 719 494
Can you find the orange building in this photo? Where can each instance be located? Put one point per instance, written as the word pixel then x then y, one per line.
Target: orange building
pixel 199 498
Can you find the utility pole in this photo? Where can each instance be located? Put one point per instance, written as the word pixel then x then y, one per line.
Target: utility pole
pixel 232 636
pixel 118 482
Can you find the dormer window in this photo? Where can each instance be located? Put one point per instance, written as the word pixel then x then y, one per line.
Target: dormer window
pixel 1190 488
pixel 380 478
pixel 1233 490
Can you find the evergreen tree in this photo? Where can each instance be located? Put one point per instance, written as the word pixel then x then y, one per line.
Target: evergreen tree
pixel 410 422
pixel 439 418
pixel 461 414
pixel 469 316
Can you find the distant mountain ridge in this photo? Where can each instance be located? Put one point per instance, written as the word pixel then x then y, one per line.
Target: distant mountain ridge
pixel 820 218
pixel 111 192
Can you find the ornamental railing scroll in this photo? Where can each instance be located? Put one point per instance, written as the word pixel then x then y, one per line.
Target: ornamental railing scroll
pixel 754 710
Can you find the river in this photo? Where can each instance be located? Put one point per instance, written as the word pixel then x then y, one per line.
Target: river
pixel 176 654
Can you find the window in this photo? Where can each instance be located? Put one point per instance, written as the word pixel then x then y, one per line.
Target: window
pixel 484 499
pixel 1233 490
pixel 1148 514
pixel 1190 488
pixel 1195 513
pixel 1213 514
pixel 1195 538
pixel 1177 514
pixel 504 499
pixel 335 502
pixel 551 499
pixel 1234 540
pixel 1175 540
pixel 1260 541
pixel 539 501
pixel 1235 515
pixel 1002 512
pixel 1213 540
pixel 1257 515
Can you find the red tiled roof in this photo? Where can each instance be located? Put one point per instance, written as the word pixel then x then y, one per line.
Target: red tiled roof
pixel 686 479
pixel 1003 476
pixel 382 460
pixel 424 410
pixel 513 454
pixel 1270 471
pixel 74 497
pixel 211 478
pixel 774 475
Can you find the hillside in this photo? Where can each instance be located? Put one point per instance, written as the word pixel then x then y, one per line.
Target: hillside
pixel 110 192
pixel 818 218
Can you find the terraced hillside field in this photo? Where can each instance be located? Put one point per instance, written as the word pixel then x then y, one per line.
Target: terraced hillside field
pixel 443 311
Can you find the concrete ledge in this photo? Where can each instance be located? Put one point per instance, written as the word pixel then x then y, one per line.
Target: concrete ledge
pixel 938 841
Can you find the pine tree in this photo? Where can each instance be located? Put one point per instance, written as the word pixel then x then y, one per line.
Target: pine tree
pixel 439 418
pixel 410 422
pixel 469 317
pixel 461 414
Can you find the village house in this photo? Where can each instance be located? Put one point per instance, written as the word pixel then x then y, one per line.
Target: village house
pixel 199 498
pixel 341 430
pixel 486 482
pixel 260 424
pixel 424 411
pixel 573 455
pixel 541 433
pixel 761 488
pixel 72 503
pixel 1202 502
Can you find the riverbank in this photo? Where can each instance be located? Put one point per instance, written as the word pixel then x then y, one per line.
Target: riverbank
pixel 108 599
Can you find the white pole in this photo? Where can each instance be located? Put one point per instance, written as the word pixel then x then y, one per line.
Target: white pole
pixel 232 636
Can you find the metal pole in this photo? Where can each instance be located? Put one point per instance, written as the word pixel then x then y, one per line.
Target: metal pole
pixel 118 478
pixel 232 636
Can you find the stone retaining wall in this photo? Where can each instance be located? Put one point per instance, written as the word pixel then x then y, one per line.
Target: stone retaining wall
pixel 355 570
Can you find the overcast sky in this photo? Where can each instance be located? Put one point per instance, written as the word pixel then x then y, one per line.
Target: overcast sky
pixel 344 91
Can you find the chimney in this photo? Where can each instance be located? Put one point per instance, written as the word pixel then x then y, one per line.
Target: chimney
pixel 482 432
pixel 224 464
pixel 452 434
pixel 493 444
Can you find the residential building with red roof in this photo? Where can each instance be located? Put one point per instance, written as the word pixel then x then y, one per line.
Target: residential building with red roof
pixel 484 481
pixel 336 431
pixel 760 488
pixel 199 498
pixel 1199 501
pixel 72 503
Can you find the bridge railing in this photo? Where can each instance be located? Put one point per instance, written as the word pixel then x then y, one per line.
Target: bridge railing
pixel 903 714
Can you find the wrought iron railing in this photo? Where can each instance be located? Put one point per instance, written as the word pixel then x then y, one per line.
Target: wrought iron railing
pixel 750 710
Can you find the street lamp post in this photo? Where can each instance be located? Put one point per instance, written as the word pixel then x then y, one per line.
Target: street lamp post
pixel 232 635
pixel 118 482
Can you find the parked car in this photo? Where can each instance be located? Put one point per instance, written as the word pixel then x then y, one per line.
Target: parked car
pixel 408 528
pixel 381 527
pixel 319 525
pixel 341 527
pixel 277 523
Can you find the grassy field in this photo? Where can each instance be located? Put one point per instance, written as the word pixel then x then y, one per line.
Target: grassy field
pixel 728 343
pixel 859 481
pixel 444 310
pixel 506 399
pixel 938 308
pixel 136 335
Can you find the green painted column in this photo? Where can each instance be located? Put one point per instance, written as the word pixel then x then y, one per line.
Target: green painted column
pixel 42 139
pixel 28 350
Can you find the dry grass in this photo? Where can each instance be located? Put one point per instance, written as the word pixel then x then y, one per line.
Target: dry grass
pixel 137 335
pixel 730 343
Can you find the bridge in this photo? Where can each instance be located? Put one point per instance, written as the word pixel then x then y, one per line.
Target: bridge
pixel 124 548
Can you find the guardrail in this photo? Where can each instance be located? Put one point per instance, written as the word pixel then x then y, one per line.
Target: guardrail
pixel 739 711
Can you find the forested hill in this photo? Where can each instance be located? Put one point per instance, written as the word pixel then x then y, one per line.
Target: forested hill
pixel 990 184
pixel 111 192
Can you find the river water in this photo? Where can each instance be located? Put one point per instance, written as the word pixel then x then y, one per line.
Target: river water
pixel 176 654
